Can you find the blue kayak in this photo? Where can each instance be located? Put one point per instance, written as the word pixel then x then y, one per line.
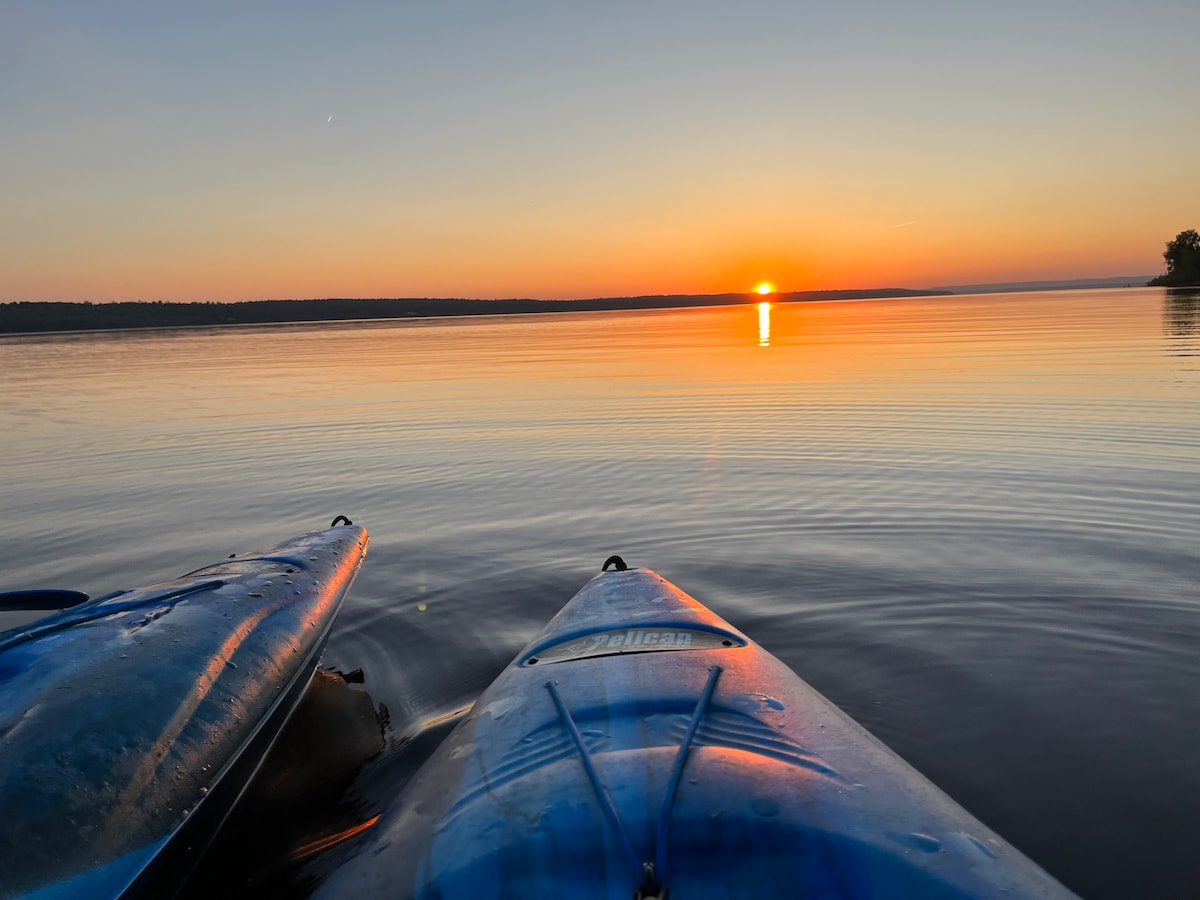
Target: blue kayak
pixel 130 724
pixel 641 747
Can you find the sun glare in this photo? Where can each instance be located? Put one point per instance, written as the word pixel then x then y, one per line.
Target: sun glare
pixel 765 288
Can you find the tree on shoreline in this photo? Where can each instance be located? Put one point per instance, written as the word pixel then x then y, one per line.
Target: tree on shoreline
pixel 1183 261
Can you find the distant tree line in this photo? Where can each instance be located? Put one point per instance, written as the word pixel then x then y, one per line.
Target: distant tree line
pixel 1183 261
pixel 36 316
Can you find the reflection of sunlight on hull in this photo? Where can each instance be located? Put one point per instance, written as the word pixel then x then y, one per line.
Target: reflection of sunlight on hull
pixel 446 717
pixel 328 841
pixel 764 324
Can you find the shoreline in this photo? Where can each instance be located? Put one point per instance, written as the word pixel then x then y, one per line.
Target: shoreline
pixel 47 317
pixel 26 317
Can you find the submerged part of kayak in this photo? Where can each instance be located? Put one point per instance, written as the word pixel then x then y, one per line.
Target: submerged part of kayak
pixel 130 724
pixel 641 746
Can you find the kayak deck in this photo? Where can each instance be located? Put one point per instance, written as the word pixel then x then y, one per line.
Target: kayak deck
pixel 642 746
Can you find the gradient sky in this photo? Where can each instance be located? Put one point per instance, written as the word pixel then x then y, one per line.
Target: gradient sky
pixel 185 151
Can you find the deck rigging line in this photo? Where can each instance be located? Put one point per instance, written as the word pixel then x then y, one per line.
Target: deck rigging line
pixel 652 874
pixel 664 821
pixel 606 803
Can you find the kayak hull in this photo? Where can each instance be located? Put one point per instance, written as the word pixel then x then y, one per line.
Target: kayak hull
pixel 130 724
pixel 641 743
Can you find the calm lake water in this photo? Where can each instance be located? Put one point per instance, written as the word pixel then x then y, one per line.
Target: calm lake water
pixel 971 521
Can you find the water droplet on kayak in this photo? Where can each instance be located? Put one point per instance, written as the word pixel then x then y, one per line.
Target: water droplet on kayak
pixel 970 843
pixel 982 846
pixel 767 701
pixel 765 806
pixel 919 841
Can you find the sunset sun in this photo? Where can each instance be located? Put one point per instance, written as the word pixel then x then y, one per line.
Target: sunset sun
pixel 765 287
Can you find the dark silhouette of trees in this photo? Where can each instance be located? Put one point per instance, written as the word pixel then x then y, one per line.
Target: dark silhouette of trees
pixel 34 316
pixel 1183 261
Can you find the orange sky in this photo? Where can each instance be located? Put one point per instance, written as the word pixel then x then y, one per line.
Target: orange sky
pixel 546 152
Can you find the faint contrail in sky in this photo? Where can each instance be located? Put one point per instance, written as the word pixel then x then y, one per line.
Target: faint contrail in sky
pixel 901 225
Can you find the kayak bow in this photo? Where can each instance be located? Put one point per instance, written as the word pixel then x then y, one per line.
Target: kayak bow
pixel 641 746
pixel 130 724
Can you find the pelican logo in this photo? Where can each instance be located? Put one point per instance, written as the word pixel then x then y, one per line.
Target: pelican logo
pixel 634 638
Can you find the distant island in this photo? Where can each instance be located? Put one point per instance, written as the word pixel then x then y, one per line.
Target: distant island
pixel 24 317
pixel 1074 284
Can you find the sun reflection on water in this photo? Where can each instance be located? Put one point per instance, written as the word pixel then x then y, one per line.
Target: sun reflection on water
pixel 764 324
